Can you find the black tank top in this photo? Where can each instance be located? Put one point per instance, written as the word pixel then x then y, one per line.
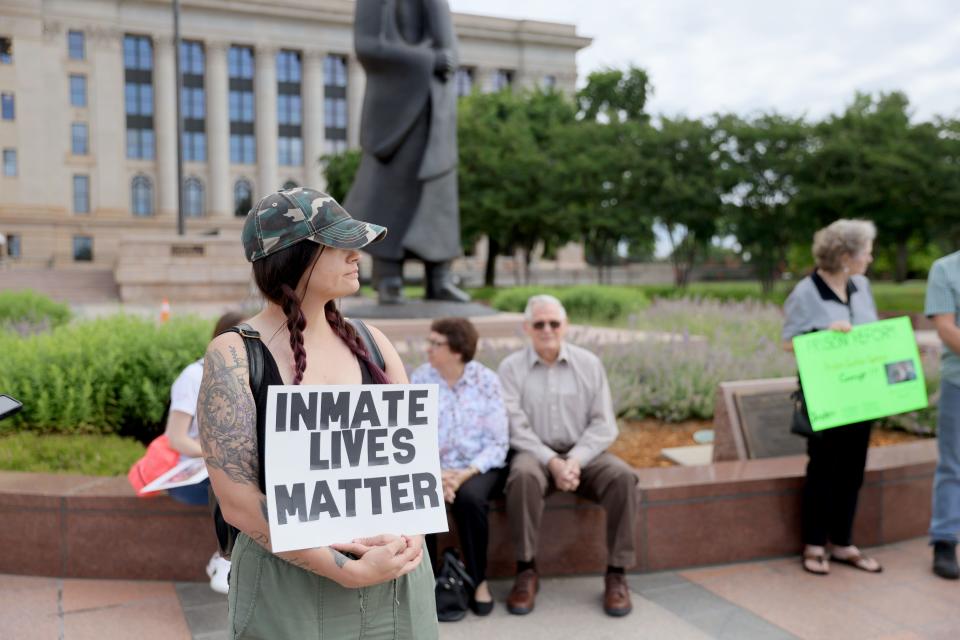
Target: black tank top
pixel 271 376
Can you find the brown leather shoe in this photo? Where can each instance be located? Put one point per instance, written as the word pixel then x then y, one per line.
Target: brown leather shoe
pixel 616 595
pixel 524 593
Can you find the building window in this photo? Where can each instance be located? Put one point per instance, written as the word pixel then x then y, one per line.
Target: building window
pixel 242 198
pixel 6 50
pixel 83 248
pixel 501 79
pixel 549 82
pixel 81 194
pixel 79 139
pixel 335 104
pixel 290 150
pixel 78 90
pixel 10 162
pixel 76 46
pixel 141 196
pixel 194 146
pixel 13 245
pixel 193 198
pixel 6 106
pixel 138 93
pixel 463 81
pixel 193 102
pixel 243 149
pixel 289 109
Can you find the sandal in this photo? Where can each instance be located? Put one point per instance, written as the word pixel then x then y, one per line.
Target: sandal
pixel 820 557
pixel 859 561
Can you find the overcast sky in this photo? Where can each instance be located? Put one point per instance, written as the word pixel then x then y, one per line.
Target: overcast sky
pixel 758 55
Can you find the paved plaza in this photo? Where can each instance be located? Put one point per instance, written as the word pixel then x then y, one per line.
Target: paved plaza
pixel 771 599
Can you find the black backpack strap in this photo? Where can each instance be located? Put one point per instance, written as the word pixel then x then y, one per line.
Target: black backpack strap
pixel 372 348
pixel 251 340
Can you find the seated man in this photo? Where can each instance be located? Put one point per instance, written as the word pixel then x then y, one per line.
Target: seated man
pixel 561 423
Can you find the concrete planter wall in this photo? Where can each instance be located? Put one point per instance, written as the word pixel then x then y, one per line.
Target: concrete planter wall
pixel 77 526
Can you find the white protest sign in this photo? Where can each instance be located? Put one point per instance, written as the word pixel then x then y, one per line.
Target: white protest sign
pixel 349 461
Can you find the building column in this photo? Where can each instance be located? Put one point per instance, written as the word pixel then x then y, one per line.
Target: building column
pixel 108 123
pixel 265 88
pixel 482 79
pixel 165 125
pixel 218 130
pixel 356 84
pixel 313 119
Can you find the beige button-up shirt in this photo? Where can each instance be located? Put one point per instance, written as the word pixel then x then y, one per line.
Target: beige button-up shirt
pixel 559 409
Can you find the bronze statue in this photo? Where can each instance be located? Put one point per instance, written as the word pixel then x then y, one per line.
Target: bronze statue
pixel 407 180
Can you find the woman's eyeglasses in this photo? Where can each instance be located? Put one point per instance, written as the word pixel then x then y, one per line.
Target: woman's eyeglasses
pixel 539 325
pixel 436 343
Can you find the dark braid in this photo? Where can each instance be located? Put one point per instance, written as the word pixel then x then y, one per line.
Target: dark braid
pixel 349 335
pixel 273 276
pixel 296 323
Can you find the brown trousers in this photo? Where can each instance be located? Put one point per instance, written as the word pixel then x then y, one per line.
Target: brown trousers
pixel 607 480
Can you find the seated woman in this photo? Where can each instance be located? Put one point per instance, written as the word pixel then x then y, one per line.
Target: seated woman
pixel 183 435
pixel 473 441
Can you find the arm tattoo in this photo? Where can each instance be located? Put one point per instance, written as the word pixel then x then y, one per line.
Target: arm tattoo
pixel 260 538
pixel 227 417
pixel 300 564
pixel 338 557
pixel 237 362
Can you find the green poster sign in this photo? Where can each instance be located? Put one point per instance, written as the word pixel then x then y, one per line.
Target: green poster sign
pixel 872 372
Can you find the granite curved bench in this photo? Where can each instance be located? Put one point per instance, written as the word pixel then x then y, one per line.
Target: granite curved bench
pixel 79 526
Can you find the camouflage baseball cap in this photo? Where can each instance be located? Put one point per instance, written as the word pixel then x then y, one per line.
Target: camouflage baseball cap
pixel 286 217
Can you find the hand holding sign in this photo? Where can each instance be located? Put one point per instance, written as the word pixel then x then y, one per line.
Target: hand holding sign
pixel 384 557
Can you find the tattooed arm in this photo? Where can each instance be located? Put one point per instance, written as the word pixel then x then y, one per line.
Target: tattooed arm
pixel 227 417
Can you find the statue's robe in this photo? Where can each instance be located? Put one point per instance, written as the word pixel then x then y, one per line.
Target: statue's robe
pixel 407 180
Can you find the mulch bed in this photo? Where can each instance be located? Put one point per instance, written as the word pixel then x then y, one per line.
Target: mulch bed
pixel 640 441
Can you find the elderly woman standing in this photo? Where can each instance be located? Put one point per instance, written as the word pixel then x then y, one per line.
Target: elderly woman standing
pixel 474 437
pixel 834 297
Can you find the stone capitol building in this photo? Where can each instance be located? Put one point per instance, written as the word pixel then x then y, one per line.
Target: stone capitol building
pixel 88 128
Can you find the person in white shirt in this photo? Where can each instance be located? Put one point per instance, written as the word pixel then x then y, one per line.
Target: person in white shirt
pixel 183 436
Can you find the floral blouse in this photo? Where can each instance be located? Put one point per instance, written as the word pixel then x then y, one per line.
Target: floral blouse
pixel 473 420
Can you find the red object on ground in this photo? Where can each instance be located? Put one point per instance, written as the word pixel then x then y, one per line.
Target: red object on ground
pixel 158 459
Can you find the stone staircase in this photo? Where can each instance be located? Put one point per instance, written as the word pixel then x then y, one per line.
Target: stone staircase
pixel 74 286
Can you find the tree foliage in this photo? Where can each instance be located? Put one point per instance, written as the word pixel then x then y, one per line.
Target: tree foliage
pixel 541 167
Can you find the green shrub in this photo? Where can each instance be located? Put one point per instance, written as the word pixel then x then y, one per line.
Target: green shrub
pixel 30 312
pixel 86 454
pixel 110 375
pixel 605 304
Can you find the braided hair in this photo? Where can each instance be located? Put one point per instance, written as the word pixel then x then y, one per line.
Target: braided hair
pixel 274 275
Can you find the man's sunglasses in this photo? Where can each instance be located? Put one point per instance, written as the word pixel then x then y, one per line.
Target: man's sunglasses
pixel 540 324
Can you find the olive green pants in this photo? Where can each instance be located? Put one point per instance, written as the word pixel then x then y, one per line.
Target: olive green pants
pixel 271 599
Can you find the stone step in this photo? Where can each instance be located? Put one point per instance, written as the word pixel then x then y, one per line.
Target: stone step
pixel 80 286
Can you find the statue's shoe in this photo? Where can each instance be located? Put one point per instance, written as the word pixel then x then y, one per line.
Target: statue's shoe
pixel 390 291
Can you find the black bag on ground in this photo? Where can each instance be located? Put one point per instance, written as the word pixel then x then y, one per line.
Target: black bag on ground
pixel 453 588
pixel 226 532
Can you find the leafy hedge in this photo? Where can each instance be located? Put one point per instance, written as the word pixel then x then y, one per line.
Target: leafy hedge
pixel 605 304
pixel 53 453
pixel 27 312
pixel 110 375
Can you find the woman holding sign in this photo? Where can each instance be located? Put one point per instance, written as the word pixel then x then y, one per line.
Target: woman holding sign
pixel 834 297
pixel 304 250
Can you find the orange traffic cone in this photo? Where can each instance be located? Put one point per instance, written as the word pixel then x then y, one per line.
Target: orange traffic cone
pixel 164 310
